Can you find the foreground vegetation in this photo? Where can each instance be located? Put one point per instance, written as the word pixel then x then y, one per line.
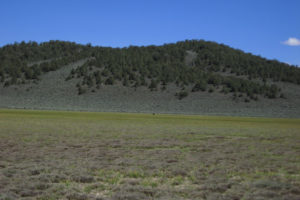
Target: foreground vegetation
pixel 77 155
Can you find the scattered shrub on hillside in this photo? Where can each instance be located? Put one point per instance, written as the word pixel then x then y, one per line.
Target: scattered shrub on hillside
pixel 211 90
pixel 109 81
pixel 81 90
pixel 282 96
pixel 153 85
pixel 200 86
pixel 182 94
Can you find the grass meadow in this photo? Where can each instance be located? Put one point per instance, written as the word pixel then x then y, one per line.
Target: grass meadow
pixel 86 155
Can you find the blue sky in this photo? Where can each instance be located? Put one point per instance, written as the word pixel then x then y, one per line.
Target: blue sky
pixel 270 28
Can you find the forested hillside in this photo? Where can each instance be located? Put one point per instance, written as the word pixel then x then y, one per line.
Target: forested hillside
pixel 193 65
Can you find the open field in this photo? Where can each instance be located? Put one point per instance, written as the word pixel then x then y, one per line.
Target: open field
pixel 78 155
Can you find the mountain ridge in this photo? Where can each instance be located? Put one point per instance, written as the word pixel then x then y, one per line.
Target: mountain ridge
pixel 184 73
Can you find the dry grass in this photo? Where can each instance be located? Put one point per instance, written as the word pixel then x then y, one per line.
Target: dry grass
pixel 77 155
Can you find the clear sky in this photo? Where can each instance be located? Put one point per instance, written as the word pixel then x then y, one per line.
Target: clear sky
pixel 270 28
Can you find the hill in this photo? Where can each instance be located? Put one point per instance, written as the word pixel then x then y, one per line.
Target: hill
pixel 191 77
